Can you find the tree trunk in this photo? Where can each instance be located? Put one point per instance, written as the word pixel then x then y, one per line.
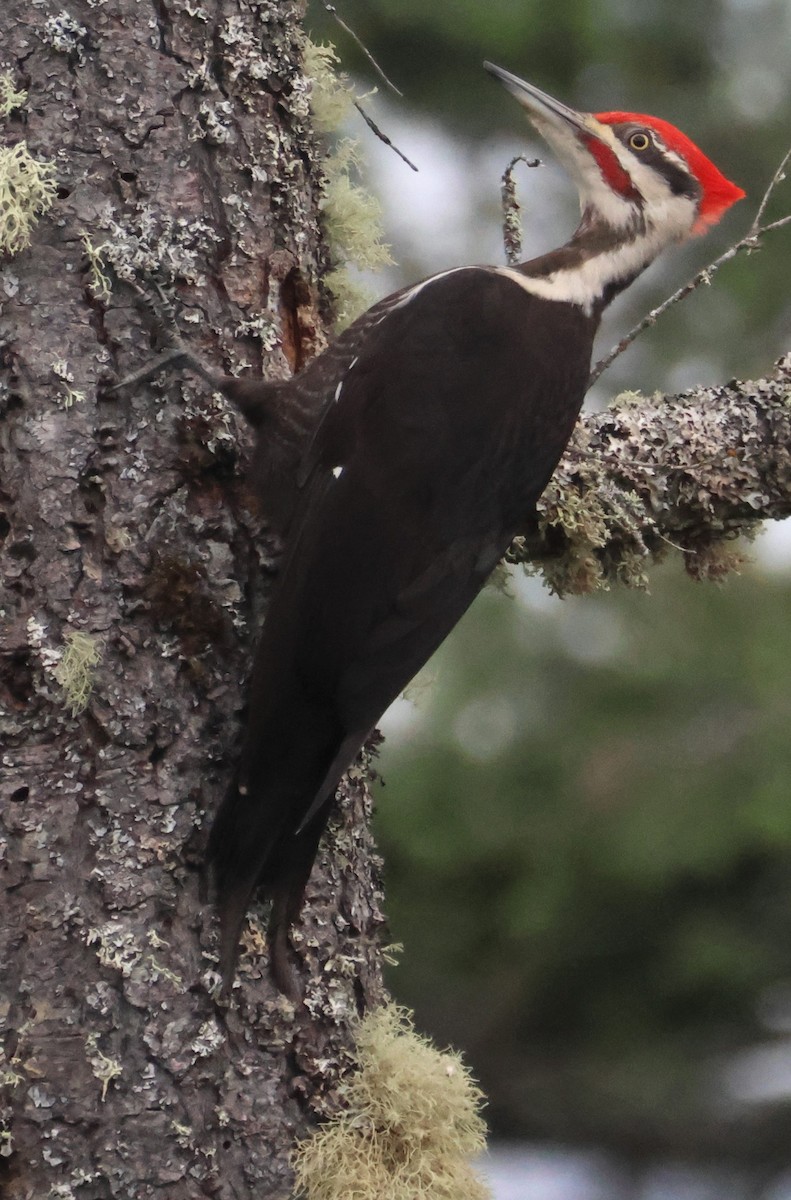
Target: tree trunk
pixel 134 574
pixel 132 569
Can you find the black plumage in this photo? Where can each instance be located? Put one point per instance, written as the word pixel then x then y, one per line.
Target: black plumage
pixel 411 489
pixel 401 463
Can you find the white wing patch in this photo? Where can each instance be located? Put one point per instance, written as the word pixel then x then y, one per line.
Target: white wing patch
pixel 418 288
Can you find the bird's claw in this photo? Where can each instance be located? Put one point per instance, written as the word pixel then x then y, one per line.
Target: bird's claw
pixel 177 356
pixel 175 353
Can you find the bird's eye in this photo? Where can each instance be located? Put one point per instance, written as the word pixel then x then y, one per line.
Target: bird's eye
pixel 639 141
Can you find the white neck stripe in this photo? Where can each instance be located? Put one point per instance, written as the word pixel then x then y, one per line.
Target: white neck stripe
pixel 585 283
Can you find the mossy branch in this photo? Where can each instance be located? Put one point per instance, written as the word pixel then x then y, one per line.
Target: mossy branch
pixel 690 472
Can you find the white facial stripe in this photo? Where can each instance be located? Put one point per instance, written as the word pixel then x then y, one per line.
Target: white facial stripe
pixel 662 208
pixel 676 214
pixel 616 210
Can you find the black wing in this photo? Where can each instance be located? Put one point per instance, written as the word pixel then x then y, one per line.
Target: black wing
pixel 440 437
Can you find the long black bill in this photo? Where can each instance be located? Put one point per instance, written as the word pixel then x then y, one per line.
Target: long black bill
pixel 539 105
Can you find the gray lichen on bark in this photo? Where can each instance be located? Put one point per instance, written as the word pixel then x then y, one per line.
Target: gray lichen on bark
pixel 184 149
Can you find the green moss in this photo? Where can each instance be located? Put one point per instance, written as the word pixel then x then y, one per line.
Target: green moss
pixel 27 189
pixel 410 1123
pixel 331 94
pixel 76 670
pixel 353 225
pixel 351 215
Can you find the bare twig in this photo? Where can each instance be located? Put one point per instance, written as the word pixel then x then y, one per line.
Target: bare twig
pixel 512 224
pixel 382 136
pixel 777 178
pixel 331 9
pixel 750 242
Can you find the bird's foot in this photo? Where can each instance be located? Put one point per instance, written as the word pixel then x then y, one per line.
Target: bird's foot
pixel 175 354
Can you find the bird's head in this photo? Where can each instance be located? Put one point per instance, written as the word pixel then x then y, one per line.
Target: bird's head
pixel 638 175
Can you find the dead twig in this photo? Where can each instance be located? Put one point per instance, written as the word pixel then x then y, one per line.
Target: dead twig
pixel 332 10
pixel 512 222
pixel 382 136
pixel 750 242
pixel 777 178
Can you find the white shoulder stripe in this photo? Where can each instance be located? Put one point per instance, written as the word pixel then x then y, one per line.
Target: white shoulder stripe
pixel 562 286
pixel 584 284
pixel 418 287
pixel 570 287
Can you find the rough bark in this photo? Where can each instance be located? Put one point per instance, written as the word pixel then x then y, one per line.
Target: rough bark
pixel 183 146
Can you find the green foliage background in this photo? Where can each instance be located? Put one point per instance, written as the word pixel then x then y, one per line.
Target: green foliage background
pixel 587 832
pixel 588 848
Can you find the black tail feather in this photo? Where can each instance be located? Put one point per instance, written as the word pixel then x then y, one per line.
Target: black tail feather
pixel 241 845
pixel 247 854
pixel 232 906
pixel 288 891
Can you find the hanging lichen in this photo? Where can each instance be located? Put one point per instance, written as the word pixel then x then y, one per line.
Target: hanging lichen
pixel 410 1125
pixel 351 215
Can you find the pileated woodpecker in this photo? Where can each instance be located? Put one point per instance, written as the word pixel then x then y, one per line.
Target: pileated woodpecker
pixel 437 420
